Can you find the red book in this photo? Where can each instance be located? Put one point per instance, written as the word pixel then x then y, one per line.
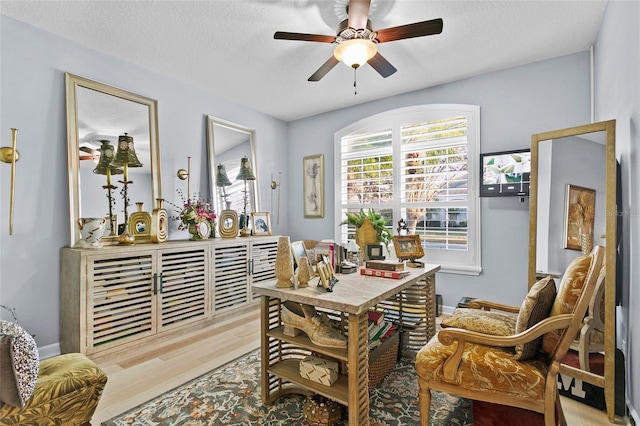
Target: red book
pixel 376 317
pixel 384 274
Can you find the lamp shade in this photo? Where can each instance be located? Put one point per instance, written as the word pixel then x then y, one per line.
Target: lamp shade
pixel 245 170
pixel 106 158
pixel 355 52
pixel 126 152
pixel 221 177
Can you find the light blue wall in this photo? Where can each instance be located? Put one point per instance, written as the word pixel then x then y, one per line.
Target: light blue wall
pixel 514 104
pixel 33 100
pixel 617 95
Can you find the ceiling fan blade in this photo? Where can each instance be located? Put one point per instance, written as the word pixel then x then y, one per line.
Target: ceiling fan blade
pixel 88 150
pixel 380 64
pixel 324 69
pixel 358 11
pixel 418 29
pixel 281 35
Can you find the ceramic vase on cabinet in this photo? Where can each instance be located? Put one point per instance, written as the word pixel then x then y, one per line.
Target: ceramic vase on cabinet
pixel 91 231
pixel 284 263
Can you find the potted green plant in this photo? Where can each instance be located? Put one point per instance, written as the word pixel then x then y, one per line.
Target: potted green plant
pixel 370 228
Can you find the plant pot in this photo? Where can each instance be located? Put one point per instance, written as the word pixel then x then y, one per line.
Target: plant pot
pixel 366 234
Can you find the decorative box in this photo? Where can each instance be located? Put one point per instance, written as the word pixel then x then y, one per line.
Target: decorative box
pixel 320 411
pixel 319 370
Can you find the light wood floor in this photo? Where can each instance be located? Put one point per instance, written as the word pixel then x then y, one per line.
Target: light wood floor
pixel 137 376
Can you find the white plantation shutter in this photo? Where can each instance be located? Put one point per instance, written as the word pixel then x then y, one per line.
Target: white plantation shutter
pixel 419 164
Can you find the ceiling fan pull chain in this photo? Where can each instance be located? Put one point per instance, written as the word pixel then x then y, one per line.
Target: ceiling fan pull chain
pixel 355 89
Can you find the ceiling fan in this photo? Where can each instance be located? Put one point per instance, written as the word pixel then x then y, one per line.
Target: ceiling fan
pixel 356 42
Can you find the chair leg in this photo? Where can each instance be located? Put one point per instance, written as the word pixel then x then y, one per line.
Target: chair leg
pixel 424 402
pixel 562 421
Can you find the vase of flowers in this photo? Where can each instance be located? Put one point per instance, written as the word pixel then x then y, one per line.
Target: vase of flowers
pixel 196 216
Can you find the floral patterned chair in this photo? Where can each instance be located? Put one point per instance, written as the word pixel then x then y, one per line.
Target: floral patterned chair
pixel 62 390
pixel 519 369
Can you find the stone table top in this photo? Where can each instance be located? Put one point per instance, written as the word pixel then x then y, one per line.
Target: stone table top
pixel 353 293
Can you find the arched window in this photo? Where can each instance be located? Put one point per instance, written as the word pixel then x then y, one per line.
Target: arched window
pixel 418 164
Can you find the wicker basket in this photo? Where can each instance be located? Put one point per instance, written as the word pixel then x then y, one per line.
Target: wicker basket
pixel 382 360
pixel 321 411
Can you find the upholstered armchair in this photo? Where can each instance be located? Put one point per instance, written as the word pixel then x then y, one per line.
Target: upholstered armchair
pixel 62 390
pixel 519 369
pixel 591 336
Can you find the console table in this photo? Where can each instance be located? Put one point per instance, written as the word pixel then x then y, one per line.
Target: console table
pixel 351 299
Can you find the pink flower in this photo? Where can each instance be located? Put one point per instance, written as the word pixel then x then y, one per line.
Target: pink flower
pixel 193 211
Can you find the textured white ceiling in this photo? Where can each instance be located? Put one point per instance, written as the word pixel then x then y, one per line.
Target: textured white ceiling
pixel 226 47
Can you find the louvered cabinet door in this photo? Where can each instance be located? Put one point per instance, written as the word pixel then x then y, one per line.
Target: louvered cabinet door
pixel 263 261
pixel 120 299
pixel 182 286
pixel 230 276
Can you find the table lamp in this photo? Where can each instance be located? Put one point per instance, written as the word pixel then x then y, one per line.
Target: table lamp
pixel 245 175
pixel 105 167
pixel 126 157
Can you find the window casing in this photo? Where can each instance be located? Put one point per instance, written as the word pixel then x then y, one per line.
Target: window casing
pixel 419 164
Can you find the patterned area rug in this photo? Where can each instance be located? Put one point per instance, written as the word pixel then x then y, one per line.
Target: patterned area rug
pixel 230 395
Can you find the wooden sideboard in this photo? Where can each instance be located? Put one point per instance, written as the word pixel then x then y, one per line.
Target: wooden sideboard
pixel 118 297
pixel 350 301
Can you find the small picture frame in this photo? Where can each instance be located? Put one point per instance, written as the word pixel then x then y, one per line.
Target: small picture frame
pixel 408 247
pixel 298 250
pixel 327 274
pixel 374 252
pixel 261 223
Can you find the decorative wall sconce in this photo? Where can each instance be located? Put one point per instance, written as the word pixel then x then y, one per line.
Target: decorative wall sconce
pixel 11 155
pixel 245 175
pixel 186 175
pixel 126 157
pixel 276 185
pixel 105 167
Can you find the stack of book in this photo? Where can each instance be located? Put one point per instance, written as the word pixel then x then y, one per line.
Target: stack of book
pixel 384 269
pixel 379 329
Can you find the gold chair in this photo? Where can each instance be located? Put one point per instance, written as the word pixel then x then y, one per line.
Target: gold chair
pixel 62 390
pixel 591 336
pixel 484 367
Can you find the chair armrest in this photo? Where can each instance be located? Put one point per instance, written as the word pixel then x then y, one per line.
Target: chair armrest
pixel 488 305
pixel 449 336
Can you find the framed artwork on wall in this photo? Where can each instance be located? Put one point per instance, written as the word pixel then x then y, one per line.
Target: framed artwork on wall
pixel 579 216
pixel 313 186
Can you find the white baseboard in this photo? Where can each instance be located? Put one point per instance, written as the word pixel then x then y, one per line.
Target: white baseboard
pixel 633 414
pixel 49 351
pixel 448 310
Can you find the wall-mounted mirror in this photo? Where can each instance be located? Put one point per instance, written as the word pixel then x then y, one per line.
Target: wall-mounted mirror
pixel 227 144
pixel 572 206
pixel 97 115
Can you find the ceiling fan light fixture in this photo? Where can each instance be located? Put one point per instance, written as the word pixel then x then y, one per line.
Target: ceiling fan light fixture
pixel 355 52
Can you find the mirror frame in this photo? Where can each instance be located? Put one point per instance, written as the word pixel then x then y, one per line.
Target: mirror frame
pixel 609 127
pixel 72 82
pixel 212 121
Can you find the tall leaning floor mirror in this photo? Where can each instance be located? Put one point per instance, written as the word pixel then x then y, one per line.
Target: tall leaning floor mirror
pixel 573 207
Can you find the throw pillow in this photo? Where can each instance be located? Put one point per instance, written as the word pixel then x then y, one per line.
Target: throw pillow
pixel 19 364
pixel 568 294
pixel 488 322
pixel 535 307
